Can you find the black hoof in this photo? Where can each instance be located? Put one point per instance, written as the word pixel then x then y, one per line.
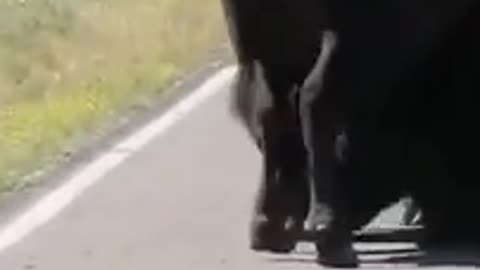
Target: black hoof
pixel 338 254
pixel 273 247
pixel 338 258
pixel 271 236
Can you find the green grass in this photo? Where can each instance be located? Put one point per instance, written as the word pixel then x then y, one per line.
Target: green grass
pixel 68 66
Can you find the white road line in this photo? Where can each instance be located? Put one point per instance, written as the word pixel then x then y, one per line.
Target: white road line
pixel 54 202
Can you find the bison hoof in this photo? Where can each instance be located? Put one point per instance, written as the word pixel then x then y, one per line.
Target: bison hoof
pixel 270 236
pixel 344 258
pixel 337 255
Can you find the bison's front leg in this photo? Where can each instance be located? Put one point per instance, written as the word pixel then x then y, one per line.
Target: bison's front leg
pixel 321 105
pixel 283 198
pixel 280 211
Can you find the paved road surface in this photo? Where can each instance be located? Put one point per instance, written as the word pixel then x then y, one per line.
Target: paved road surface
pixel 182 202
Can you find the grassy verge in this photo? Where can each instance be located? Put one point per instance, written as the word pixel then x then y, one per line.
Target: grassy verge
pixel 66 66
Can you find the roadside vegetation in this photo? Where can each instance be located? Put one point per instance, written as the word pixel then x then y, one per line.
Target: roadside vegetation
pixel 67 66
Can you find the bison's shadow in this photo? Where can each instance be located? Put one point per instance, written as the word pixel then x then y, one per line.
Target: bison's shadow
pixel 378 247
pixel 369 256
pixel 439 258
pixel 406 256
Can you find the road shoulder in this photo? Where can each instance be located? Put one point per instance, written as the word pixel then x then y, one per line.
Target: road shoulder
pixel 53 176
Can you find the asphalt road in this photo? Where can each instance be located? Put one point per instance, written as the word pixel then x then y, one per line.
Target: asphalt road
pixel 180 202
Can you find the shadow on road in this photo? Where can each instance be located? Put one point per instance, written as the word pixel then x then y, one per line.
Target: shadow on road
pixel 401 256
pixel 393 245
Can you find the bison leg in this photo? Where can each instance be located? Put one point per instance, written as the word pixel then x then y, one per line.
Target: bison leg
pixel 275 222
pixel 319 109
pixel 282 205
pixel 283 198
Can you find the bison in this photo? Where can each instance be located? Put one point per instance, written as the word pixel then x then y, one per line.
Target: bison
pixel 276 44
